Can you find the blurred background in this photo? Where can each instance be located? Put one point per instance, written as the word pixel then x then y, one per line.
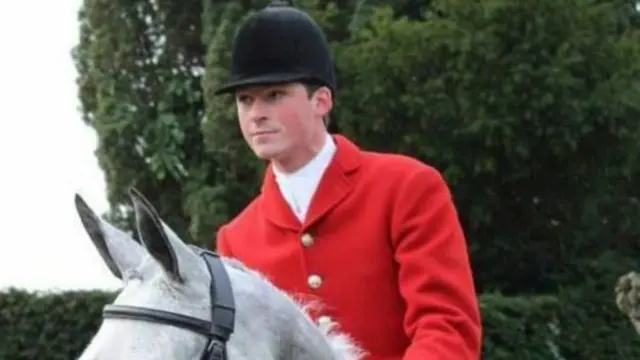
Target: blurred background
pixel 530 109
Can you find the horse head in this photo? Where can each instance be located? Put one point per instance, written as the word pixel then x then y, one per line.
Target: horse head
pixel 163 274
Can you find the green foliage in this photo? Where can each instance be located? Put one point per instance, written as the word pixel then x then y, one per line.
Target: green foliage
pixel 527 108
pixel 520 327
pixel 140 64
pixel 48 326
pixel 593 328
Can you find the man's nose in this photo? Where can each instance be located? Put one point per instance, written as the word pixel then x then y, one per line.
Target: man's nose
pixel 257 112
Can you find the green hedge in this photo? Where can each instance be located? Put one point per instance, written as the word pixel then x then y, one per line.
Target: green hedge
pixel 519 327
pixel 48 326
pixel 58 326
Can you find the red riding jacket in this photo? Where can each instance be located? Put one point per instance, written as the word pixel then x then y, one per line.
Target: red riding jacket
pixel 381 247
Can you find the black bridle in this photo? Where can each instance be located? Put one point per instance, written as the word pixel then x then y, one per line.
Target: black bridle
pixel 217 331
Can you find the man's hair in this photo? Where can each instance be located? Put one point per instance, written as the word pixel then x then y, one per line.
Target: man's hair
pixel 311 89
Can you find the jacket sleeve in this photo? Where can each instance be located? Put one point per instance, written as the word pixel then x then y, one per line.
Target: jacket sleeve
pixel 442 317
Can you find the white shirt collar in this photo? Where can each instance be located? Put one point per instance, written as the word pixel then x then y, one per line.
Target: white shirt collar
pixel 299 187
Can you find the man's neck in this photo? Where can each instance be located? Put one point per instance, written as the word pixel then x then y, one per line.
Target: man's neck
pixel 298 187
pixel 301 159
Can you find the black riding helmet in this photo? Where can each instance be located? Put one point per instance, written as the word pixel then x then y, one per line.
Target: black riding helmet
pixel 280 44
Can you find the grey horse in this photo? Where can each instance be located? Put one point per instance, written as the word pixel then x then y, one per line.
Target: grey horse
pixel 162 272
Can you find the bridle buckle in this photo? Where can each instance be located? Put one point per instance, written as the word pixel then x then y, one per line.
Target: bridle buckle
pixel 215 350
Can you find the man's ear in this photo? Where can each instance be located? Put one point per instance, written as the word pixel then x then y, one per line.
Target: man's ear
pixel 322 102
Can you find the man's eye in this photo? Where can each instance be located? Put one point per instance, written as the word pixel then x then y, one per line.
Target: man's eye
pixel 275 95
pixel 244 99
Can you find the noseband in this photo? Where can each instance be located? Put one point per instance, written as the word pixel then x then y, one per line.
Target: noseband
pixel 217 331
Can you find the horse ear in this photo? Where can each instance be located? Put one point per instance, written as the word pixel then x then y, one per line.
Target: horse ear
pixel 118 250
pixel 153 235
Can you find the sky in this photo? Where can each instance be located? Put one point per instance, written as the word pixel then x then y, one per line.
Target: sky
pixel 46 154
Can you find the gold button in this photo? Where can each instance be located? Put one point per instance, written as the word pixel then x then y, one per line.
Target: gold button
pixel 314 281
pixel 307 240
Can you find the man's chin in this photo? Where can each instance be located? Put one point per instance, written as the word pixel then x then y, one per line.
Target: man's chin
pixel 264 153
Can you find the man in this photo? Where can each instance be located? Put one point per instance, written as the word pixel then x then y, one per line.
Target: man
pixel 375 237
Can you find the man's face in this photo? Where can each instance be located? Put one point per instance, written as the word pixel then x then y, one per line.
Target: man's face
pixel 281 122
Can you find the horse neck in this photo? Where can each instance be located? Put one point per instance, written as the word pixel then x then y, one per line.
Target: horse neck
pixel 296 335
pixel 306 340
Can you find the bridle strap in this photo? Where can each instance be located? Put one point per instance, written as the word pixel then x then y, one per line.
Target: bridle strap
pixel 126 312
pixel 223 307
pixel 218 330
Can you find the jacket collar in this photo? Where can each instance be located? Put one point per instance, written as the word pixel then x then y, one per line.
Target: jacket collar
pixel 336 183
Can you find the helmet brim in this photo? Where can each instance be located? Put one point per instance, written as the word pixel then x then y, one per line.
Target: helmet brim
pixel 266 79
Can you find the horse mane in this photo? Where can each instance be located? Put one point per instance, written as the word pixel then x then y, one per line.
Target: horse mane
pixel 342 345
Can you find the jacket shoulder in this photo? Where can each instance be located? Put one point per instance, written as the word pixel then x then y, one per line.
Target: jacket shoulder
pixel 399 166
pixel 234 228
pixel 244 216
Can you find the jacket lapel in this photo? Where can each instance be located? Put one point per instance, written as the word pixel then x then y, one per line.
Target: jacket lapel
pixel 334 186
pixel 337 181
pixel 274 205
